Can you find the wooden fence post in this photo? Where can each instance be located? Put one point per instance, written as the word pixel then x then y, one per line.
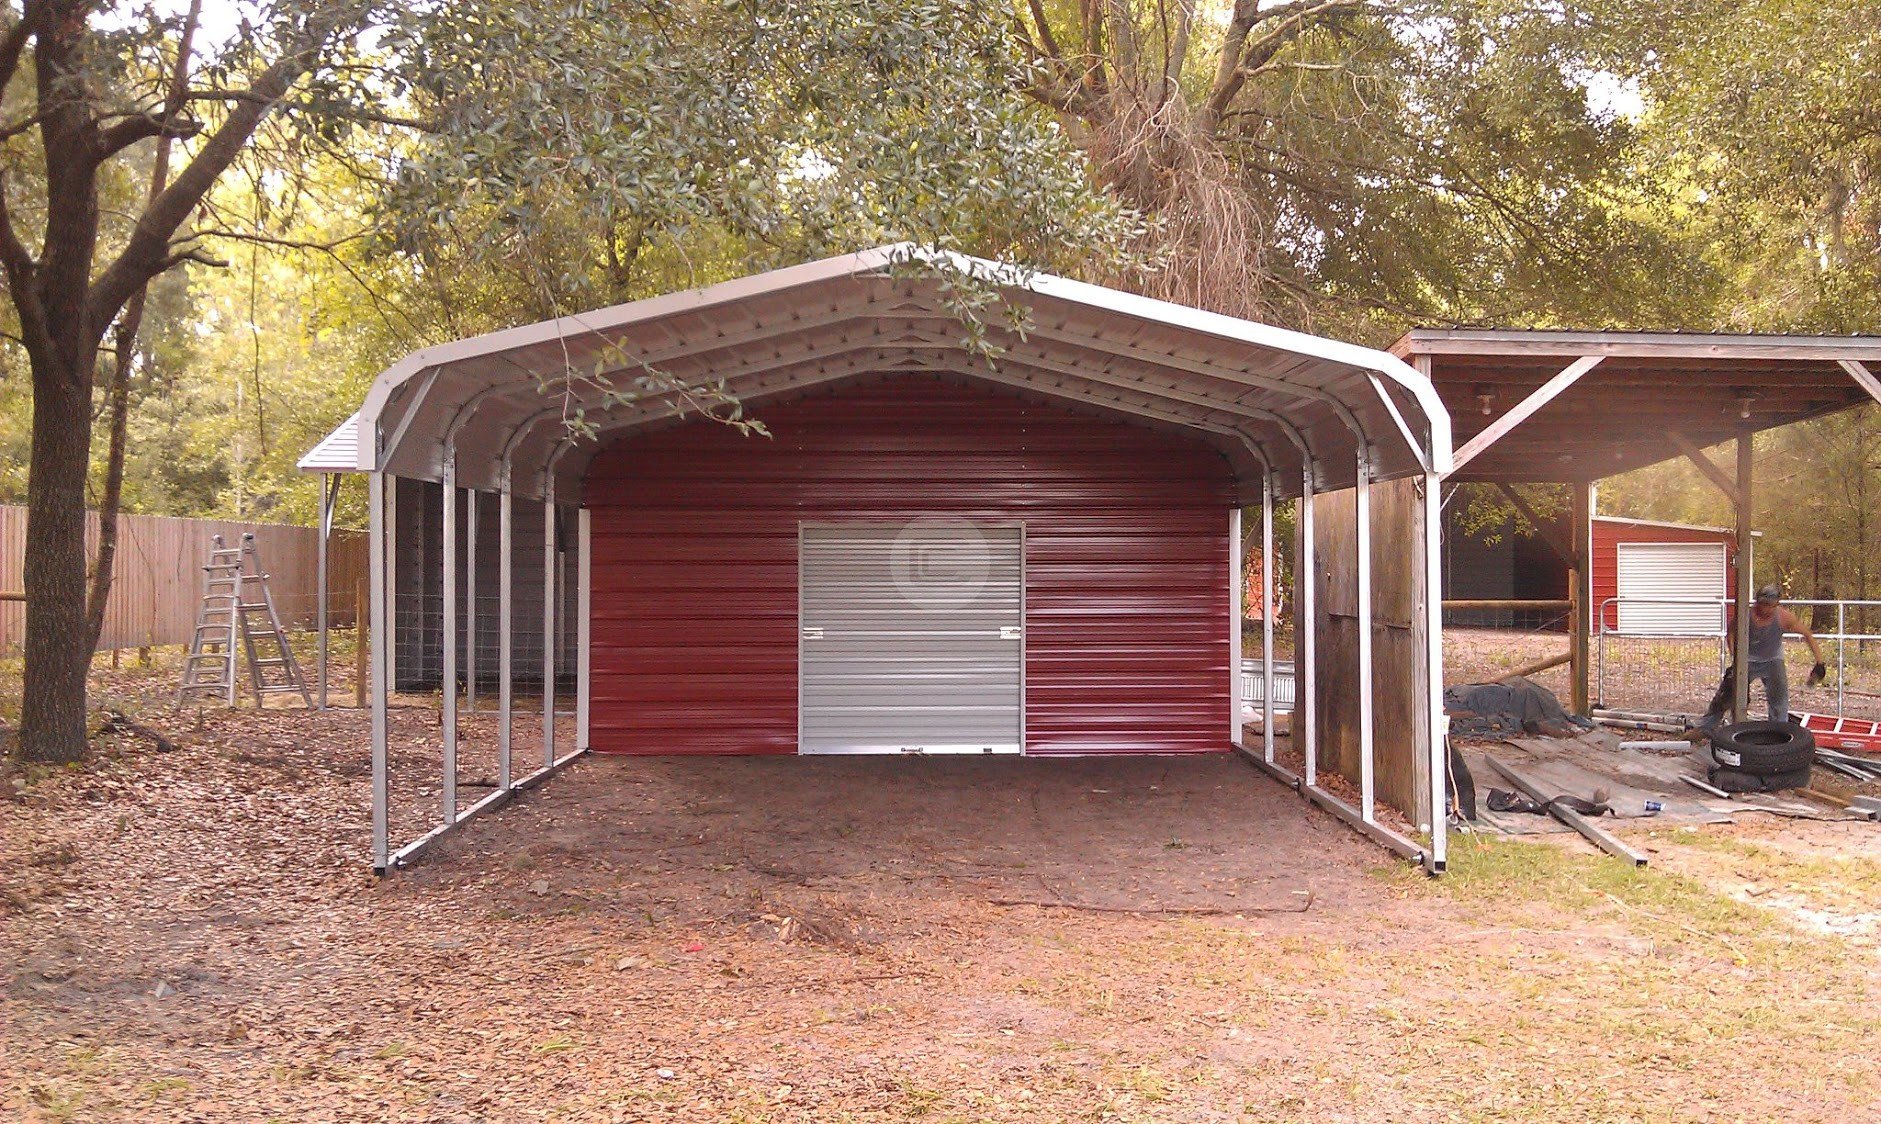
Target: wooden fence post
pixel 361 606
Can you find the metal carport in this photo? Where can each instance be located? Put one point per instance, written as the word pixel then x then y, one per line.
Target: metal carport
pixel 1293 415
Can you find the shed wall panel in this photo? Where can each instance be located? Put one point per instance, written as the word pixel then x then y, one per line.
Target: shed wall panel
pixel 1398 663
pixel 695 533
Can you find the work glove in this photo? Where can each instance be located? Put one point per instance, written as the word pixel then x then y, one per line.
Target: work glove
pixel 1818 673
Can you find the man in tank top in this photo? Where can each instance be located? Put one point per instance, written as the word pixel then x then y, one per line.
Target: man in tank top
pixel 1769 620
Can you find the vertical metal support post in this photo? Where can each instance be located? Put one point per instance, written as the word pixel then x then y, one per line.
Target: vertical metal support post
pixel 548 623
pixel 1267 616
pixel 1237 581
pixel 390 639
pixel 380 634
pixel 505 630
pixel 1746 581
pixel 1305 629
pixel 448 648
pixel 1841 658
pixel 1581 526
pixel 329 492
pixel 584 624
pixel 470 599
pixel 1434 719
pixel 1362 525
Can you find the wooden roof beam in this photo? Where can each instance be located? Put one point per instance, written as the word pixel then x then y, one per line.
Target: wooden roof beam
pixel 1863 377
pixel 1523 410
pixel 1705 464
pixel 1546 531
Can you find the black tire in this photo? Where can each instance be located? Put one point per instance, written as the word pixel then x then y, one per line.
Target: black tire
pixel 1763 748
pixel 1736 780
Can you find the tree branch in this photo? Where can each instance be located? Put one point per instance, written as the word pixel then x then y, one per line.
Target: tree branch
pixel 122 134
pixel 13 43
pixel 353 113
pixel 1047 43
pixel 1240 59
pixel 146 252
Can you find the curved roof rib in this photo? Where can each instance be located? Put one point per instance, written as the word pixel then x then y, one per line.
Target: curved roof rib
pixel 1273 400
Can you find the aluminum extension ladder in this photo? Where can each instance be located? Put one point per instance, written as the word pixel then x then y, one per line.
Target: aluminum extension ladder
pixel 233 576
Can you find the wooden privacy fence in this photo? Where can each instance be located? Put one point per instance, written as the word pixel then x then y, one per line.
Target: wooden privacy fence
pixel 158 586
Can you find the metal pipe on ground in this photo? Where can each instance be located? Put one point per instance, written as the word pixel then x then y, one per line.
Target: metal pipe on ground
pixel 1595 834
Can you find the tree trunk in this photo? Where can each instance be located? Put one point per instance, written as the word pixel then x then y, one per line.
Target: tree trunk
pixel 111 496
pixel 52 711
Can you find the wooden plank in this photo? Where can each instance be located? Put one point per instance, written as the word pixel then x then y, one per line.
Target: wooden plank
pixel 157 584
pixel 1746 565
pixel 1397 575
pixel 1595 834
pixel 1675 345
pixel 1581 589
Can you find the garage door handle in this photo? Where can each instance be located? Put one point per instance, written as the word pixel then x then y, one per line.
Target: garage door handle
pixel 813 632
pixel 1009 632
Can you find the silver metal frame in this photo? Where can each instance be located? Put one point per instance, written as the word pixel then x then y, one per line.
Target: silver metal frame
pixel 1237 570
pixel 1267 618
pixel 584 626
pixel 471 531
pixel 448 562
pixel 1362 524
pixel 329 497
pixel 1433 716
pixel 549 594
pixel 505 630
pixel 384 858
pixel 380 636
pixel 1306 630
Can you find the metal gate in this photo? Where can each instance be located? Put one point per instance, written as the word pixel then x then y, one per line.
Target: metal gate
pixel 911 637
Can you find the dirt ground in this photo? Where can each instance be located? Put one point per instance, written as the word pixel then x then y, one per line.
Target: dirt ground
pixel 194 935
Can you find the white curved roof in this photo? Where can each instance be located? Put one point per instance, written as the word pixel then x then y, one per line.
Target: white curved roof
pixel 1269 398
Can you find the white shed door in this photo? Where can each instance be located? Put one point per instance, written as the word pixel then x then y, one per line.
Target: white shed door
pixel 1654 576
pixel 910 637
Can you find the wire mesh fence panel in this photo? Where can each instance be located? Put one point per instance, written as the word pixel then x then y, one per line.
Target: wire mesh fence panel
pixel 1669 675
pixel 1678 674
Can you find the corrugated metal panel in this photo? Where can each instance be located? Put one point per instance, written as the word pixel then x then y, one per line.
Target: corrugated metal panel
pixel 337 451
pixel 695 564
pixel 911 637
pixel 1609 533
pixel 1672 570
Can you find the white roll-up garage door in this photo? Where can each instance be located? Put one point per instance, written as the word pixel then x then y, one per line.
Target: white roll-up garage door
pixel 910 637
pixel 1655 576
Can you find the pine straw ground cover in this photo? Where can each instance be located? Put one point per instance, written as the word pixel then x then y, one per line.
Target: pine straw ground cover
pixel 193 936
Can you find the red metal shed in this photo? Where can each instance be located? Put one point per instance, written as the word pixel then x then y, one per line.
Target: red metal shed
pixel 1648 574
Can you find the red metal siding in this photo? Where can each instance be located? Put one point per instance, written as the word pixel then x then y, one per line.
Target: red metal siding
pixel 1609 534
pixel 695 564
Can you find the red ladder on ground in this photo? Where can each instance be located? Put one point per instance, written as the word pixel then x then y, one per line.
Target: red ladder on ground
pixel 1858 734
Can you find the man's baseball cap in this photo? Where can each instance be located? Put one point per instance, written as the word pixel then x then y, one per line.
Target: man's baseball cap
pixel 1769 595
